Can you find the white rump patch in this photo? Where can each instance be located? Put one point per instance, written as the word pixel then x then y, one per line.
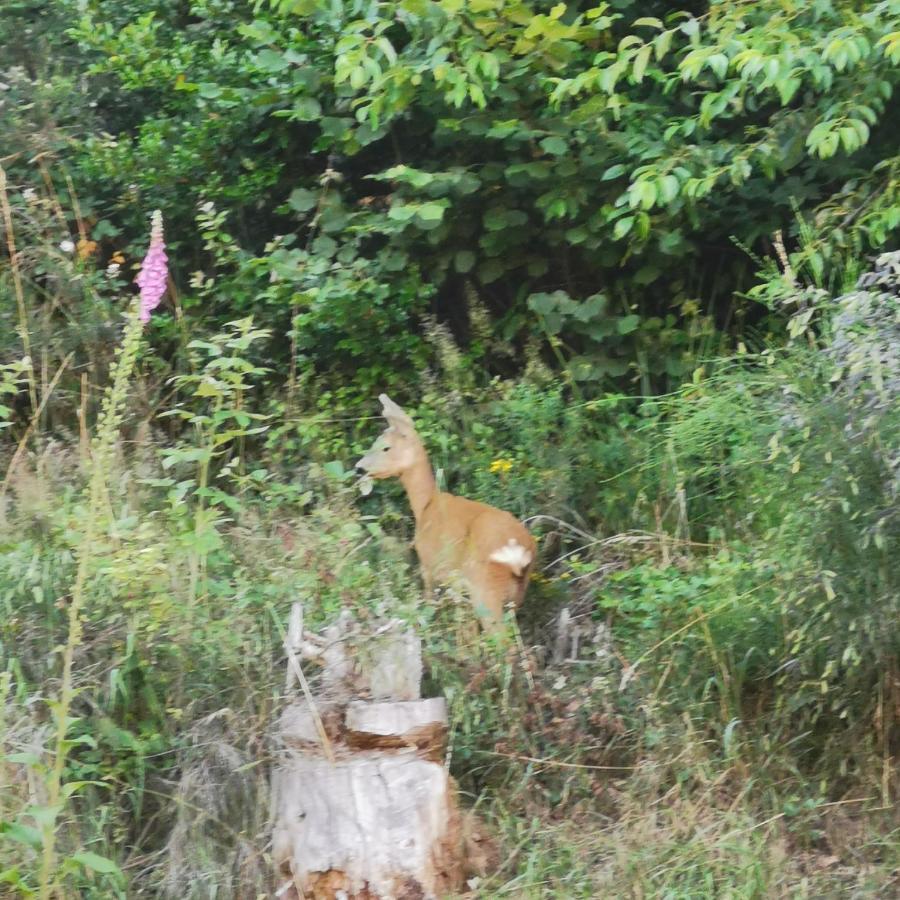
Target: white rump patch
pixel 512 554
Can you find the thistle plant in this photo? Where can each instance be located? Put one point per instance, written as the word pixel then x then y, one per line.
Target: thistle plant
pixel 152 283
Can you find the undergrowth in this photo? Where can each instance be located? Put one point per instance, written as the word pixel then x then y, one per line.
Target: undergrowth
pixel 704 699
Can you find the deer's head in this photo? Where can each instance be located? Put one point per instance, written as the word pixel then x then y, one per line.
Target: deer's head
pixel 397 449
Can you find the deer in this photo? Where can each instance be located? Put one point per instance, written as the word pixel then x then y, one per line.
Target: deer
pixel 490 550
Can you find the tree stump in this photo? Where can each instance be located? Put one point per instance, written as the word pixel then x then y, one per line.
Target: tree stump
pixel 364 807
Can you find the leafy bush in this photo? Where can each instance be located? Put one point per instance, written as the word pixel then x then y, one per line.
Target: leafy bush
pixel 350 169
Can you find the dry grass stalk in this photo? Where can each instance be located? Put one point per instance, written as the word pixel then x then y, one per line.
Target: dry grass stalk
pixel 17 286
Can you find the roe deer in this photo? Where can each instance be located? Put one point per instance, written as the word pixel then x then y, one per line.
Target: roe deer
pixel 491 550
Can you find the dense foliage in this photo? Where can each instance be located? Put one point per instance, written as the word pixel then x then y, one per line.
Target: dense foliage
pixel 633 270
pixel 583 180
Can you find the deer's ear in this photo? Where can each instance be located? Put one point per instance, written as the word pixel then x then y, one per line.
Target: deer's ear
pixel 395 415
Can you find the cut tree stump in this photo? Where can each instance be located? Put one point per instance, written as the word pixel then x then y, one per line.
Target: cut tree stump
pixel 363 805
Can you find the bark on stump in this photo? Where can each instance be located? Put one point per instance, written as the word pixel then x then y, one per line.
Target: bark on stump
pixel 364 807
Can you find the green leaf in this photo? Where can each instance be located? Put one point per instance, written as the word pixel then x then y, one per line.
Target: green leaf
pixel 640 62
pixel 849 138
pixel 667 188
pixel 387 48
pixel 622 227
pixel 613 172
pixel 861 128
pixel 642 193
pixel 208 388
pixel 661 44
pixel 96 863
pixel 647 194
pixel 44 815
pixel 271 60
pixel 691 28
pixel 490 270
pixel 646 274
pixel 787 87
pixel 583 368
pixel 303 199
pixel 72 787
pixel 495 218
pixel 555 145
pixel 105 228
pixel 627 324
pixel 499 217
pixel 577 235
pixel 23 834
pixel 406 174
pixel 591 308
pixel 891 44
pixel 417 8
pixel 718 62
pixel 357 77
pixel 431 214
pixel 334 469
pixel 195 455
pixel 306 109
pixel 630 40
pixel 543 303
pixel 24 758
pixel 401 212
pixel 464 261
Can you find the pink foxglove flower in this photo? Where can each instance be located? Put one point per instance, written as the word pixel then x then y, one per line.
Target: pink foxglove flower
pixel 154 270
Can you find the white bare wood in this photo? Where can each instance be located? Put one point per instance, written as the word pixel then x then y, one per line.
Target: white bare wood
pixel 396 717
pixel 363 808
pixel 380 822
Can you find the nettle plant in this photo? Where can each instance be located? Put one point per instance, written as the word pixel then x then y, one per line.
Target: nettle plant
pixel 215 410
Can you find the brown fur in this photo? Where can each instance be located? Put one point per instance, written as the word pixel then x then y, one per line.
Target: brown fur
pixel 454 536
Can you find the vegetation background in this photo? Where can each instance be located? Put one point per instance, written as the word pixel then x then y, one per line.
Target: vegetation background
pixel 633 268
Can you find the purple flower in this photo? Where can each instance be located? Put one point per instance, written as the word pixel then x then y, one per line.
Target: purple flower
pixel 154 271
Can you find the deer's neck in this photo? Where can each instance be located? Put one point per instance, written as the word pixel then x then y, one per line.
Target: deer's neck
pixel 421 488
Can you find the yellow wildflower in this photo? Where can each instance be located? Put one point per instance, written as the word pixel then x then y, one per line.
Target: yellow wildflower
pixel 86 248
pixel 501 466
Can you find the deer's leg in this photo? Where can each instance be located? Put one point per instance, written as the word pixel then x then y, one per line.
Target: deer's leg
pixel 488 596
